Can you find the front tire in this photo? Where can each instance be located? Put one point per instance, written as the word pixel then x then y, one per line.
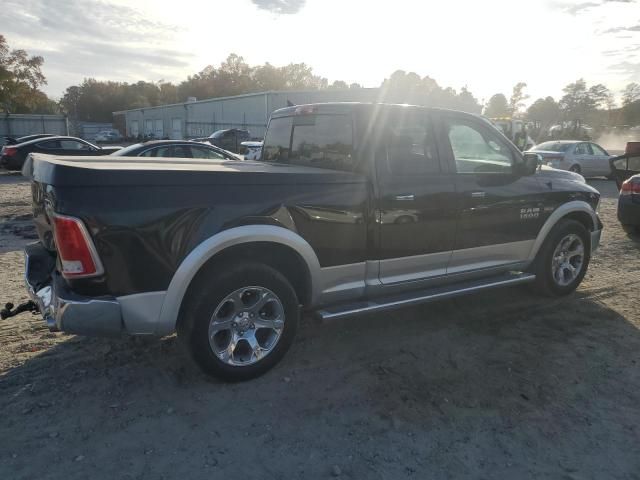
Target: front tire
pixel 239 324
pixel 575 169
pixel 563 259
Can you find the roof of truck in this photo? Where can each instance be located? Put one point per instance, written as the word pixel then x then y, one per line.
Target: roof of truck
pixel 344 107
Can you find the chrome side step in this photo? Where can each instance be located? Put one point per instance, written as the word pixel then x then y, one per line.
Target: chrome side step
pixel 422 296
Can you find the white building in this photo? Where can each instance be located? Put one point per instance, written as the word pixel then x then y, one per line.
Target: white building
pixel 203 117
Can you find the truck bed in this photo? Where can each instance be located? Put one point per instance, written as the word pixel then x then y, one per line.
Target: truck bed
pixel 102 171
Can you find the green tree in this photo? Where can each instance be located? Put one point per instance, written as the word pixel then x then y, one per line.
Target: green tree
pixel 516 102
pixel 497 106
pixel 20 78
pixel 544 113
pixel 544 110
pixel 403 87
pixel 631 93
pixel 576 102
pixel 339 85
pixel 599 96
pixel 631 113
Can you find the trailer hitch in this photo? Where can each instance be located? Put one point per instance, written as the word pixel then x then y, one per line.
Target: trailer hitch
pixel 8 310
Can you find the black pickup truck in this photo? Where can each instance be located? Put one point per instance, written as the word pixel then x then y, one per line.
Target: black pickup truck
pixel 353 208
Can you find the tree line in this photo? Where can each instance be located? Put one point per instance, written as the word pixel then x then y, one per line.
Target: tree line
pixel 21 79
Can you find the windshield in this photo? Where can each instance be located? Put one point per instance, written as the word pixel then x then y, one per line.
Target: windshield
pixel 123 152
pixel 553 147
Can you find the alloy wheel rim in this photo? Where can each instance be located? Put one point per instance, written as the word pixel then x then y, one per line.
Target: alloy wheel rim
pixel 246 326
pixel 568 260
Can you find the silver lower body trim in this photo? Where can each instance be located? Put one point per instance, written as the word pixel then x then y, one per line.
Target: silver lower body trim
pixel 489 256
pixel 141 311
pixel 406 269
pixel 342 282
pixel 423 296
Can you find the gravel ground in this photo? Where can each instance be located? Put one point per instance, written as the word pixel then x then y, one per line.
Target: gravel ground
pixel 502 384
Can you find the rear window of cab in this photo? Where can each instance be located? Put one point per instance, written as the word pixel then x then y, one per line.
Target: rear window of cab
pixel 321 141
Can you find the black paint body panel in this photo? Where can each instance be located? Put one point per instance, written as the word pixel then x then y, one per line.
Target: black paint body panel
pixel 143 232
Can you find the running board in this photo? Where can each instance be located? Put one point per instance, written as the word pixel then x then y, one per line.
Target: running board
pixel 422 296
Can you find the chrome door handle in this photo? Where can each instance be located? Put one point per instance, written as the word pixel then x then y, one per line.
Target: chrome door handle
pixel 478 194
pixel 405 198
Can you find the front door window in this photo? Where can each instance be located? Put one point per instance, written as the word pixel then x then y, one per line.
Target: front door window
pixel 478 150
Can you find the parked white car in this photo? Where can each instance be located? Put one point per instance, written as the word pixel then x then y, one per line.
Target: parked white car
pixel 586 158
pixel 108 136
pixel 252 150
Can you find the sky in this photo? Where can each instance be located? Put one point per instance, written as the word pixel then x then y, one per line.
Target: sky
pixel 487 46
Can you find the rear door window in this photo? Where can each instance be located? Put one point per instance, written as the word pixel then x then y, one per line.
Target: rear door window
pixel 322 141
pixel 581 149
pixel 410 144
pixel 50 145
pixel 181 151
pixel 74 145
pixel 157 152
pixel 202 152
pixel 597 150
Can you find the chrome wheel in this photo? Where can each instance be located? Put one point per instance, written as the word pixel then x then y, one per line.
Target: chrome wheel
pixel 568 260
pixel 246 326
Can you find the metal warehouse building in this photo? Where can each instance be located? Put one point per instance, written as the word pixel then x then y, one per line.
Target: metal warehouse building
pixel 202 118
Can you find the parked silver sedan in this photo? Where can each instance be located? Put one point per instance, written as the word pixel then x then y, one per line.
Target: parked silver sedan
pixel 586 158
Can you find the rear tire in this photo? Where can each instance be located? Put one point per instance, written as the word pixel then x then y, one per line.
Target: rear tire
pixel 239 324
pixel 563 259
pixel 575 169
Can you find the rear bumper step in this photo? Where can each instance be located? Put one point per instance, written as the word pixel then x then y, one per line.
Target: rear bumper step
pixel 62 309
pixel 423 296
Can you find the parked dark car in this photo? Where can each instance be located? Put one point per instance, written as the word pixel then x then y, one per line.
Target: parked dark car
pixel 229 253
pixel 629 204
pixel 230 139
pixel 176 149
pixel 626 172
pixel 26 138
pixel 12 157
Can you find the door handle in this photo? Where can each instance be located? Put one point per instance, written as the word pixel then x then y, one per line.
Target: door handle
pixel 405 198
pixel 478 194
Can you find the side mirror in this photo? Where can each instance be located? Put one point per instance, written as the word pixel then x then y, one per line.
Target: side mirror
pixel 531 162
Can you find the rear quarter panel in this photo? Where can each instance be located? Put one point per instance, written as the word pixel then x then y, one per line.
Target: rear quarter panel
pixel 142 234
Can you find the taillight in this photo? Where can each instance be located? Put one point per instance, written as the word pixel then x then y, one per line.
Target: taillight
pixel 630 186
pixel 78 255
pixel 9 151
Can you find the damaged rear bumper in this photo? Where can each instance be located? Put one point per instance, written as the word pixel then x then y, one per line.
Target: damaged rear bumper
pixel 62 309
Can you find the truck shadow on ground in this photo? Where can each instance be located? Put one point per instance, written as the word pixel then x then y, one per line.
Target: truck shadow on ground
pixel 494 375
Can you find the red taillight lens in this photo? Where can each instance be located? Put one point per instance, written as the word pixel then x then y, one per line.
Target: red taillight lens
pixel 630 186
pixel 77 253
pixel 9 151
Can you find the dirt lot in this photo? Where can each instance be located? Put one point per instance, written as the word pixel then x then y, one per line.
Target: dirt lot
pixel 497 385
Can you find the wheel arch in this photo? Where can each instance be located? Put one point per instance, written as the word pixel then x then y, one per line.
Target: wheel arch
pixel 577 210
pixel 278 247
